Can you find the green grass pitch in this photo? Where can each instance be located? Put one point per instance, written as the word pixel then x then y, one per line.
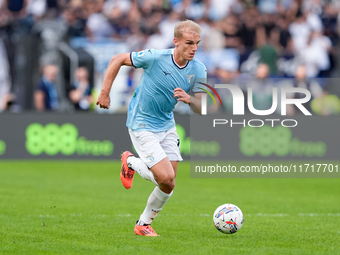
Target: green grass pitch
pixel 73 207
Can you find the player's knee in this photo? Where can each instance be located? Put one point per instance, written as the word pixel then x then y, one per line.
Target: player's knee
pixel 169 186
pixel 168 180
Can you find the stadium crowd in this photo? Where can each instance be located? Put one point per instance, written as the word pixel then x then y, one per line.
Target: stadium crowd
pixel 253 40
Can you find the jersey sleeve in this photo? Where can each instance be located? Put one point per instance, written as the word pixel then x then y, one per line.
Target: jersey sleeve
pixel 142 59
pixel 200 77
pixel 41 86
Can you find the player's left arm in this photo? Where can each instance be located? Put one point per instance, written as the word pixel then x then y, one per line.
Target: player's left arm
pixel 193 101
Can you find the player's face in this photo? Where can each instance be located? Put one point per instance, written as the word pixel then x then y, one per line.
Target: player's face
pixel 188 44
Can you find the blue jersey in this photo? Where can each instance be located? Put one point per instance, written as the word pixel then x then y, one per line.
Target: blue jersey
pixel 153 101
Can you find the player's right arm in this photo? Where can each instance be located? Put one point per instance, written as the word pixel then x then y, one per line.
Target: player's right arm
pixel 112 70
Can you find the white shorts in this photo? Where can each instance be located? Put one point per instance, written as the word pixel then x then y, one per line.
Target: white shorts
pixel 153 147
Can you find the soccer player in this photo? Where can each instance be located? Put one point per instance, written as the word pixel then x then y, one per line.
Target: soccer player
pixel 169 76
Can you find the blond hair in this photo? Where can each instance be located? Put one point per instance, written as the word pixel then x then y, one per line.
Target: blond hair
pixel 186 26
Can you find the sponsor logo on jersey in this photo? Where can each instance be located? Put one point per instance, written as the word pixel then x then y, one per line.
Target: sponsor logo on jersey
pixel 139 54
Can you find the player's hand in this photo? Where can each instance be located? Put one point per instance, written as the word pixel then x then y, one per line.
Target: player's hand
pixel 181 95
pixel 103 100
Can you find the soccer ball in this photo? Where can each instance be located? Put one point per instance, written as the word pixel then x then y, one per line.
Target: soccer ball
pixel 228 218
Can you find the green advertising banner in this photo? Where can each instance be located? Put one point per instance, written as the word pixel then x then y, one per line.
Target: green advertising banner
pixel 94 136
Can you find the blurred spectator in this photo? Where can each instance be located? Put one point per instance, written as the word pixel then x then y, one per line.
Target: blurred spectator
pixel 97 24
pixel 287 62
pixel 5 79
pixel 46 94
pixel 191 9
pixel 72 16
pixel 220 9
pixel 262 88
pixel 149 25
pixel 300 31
pixel 210 34
pixel 227 59
pixel 51 32
pixel 285 37
pixel 6 102
pixel 135 39
pixel 267 6
pixel 166 27
pixel 314 21
pixel 122 5
pixel 156 40
pixel 231 29
pixel 302 81
pixel 268 49
pixel 248 30
pixel 312 5
pixel 119 22
pixel 36 8
pixel 329 18
pixel 315 55
pixel 222 76
pixel 80 92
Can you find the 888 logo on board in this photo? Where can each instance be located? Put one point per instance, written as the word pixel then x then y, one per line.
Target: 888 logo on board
pixel 51 139
pixel 265 140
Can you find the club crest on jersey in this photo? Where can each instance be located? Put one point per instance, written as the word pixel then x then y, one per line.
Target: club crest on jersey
pixel 139 54
pixel 150 157
pixel 189 77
